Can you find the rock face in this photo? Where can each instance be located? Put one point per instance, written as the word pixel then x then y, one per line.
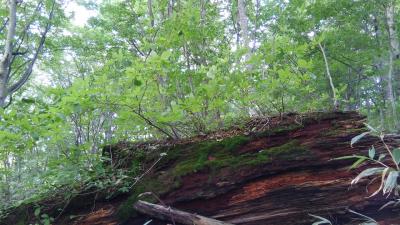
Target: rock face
pixel 275 172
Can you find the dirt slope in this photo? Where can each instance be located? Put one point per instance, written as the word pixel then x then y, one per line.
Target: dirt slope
pixel 272 171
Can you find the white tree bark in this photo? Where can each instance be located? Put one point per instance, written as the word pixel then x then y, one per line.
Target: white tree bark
pixel 393 55
pixel 150 10
pixel 170 7
pixel 328 74
pixel 243 23
pixel 7 89
pixel 7 54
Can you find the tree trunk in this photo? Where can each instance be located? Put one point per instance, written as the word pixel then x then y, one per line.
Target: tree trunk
pixel 6 90
pixel 170 7
pixel 328 73
pixel 150 10
pixel 393 55
pixel 7 54
pixel 243 23
pixel 202 11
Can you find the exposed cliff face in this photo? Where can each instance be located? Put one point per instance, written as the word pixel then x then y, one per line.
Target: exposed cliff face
pixel 272 171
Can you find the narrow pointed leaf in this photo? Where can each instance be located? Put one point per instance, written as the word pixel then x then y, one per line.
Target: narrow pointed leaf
pixel 357 163
pixel 390 182
pixel 366 173
pixel 396 155
pixel 357 138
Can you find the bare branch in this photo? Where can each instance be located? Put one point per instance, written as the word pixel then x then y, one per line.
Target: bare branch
pixel 328 73
pixel 4 25
pixel 24 33
pixel 9 102
pixel 8 49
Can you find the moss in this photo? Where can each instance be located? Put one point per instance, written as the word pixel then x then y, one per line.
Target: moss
pixel 158 185
pixel 211 155
pixel 197 158
pixel 126 210
pixel 288 151
pixel 226 157
pixel 232 143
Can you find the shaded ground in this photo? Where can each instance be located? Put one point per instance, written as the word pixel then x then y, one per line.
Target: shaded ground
pixel 271 171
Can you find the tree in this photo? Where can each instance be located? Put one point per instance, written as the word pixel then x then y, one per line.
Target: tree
pixel 394 54
pixel 19 55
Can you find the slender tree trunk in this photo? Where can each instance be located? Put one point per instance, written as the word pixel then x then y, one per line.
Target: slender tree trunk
pixel 202 11
pixel 390 93
pixel 393 55
pixel 7 54
pixel 379 63
pixel 243 23
pixel 328 73
pixel 150 9
pixel 170 7
pixel 257 26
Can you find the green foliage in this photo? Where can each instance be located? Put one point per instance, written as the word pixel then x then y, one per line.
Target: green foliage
pixel 384 168
pixel 214 156
pixel 127 75
pixel 44 219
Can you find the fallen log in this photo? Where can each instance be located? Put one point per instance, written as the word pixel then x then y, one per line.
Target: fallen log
pixel 174 215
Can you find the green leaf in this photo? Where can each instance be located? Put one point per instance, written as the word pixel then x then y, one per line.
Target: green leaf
pixel 357 138
pixel 148 222
pixel 396 155
pixel 366 173
pixel 371 128
pixel 390 182
pixel 165 55
pixel 358 162
pixel 368 220
pixel 349 157
pixel 322 220
pixel 28 100
pixel 371 152
pixel 77 107
pixel 137 82
pixel 37 212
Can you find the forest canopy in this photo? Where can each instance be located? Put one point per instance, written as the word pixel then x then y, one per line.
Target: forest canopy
pixel 154 69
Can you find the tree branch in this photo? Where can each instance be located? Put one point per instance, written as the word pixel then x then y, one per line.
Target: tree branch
pixel 8 46
pixel 4 25
pixel 21 38
pixel 39 49
pixel 166 213
pixel 328 73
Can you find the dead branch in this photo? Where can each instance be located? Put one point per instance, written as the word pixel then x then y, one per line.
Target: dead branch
pixel 166 213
